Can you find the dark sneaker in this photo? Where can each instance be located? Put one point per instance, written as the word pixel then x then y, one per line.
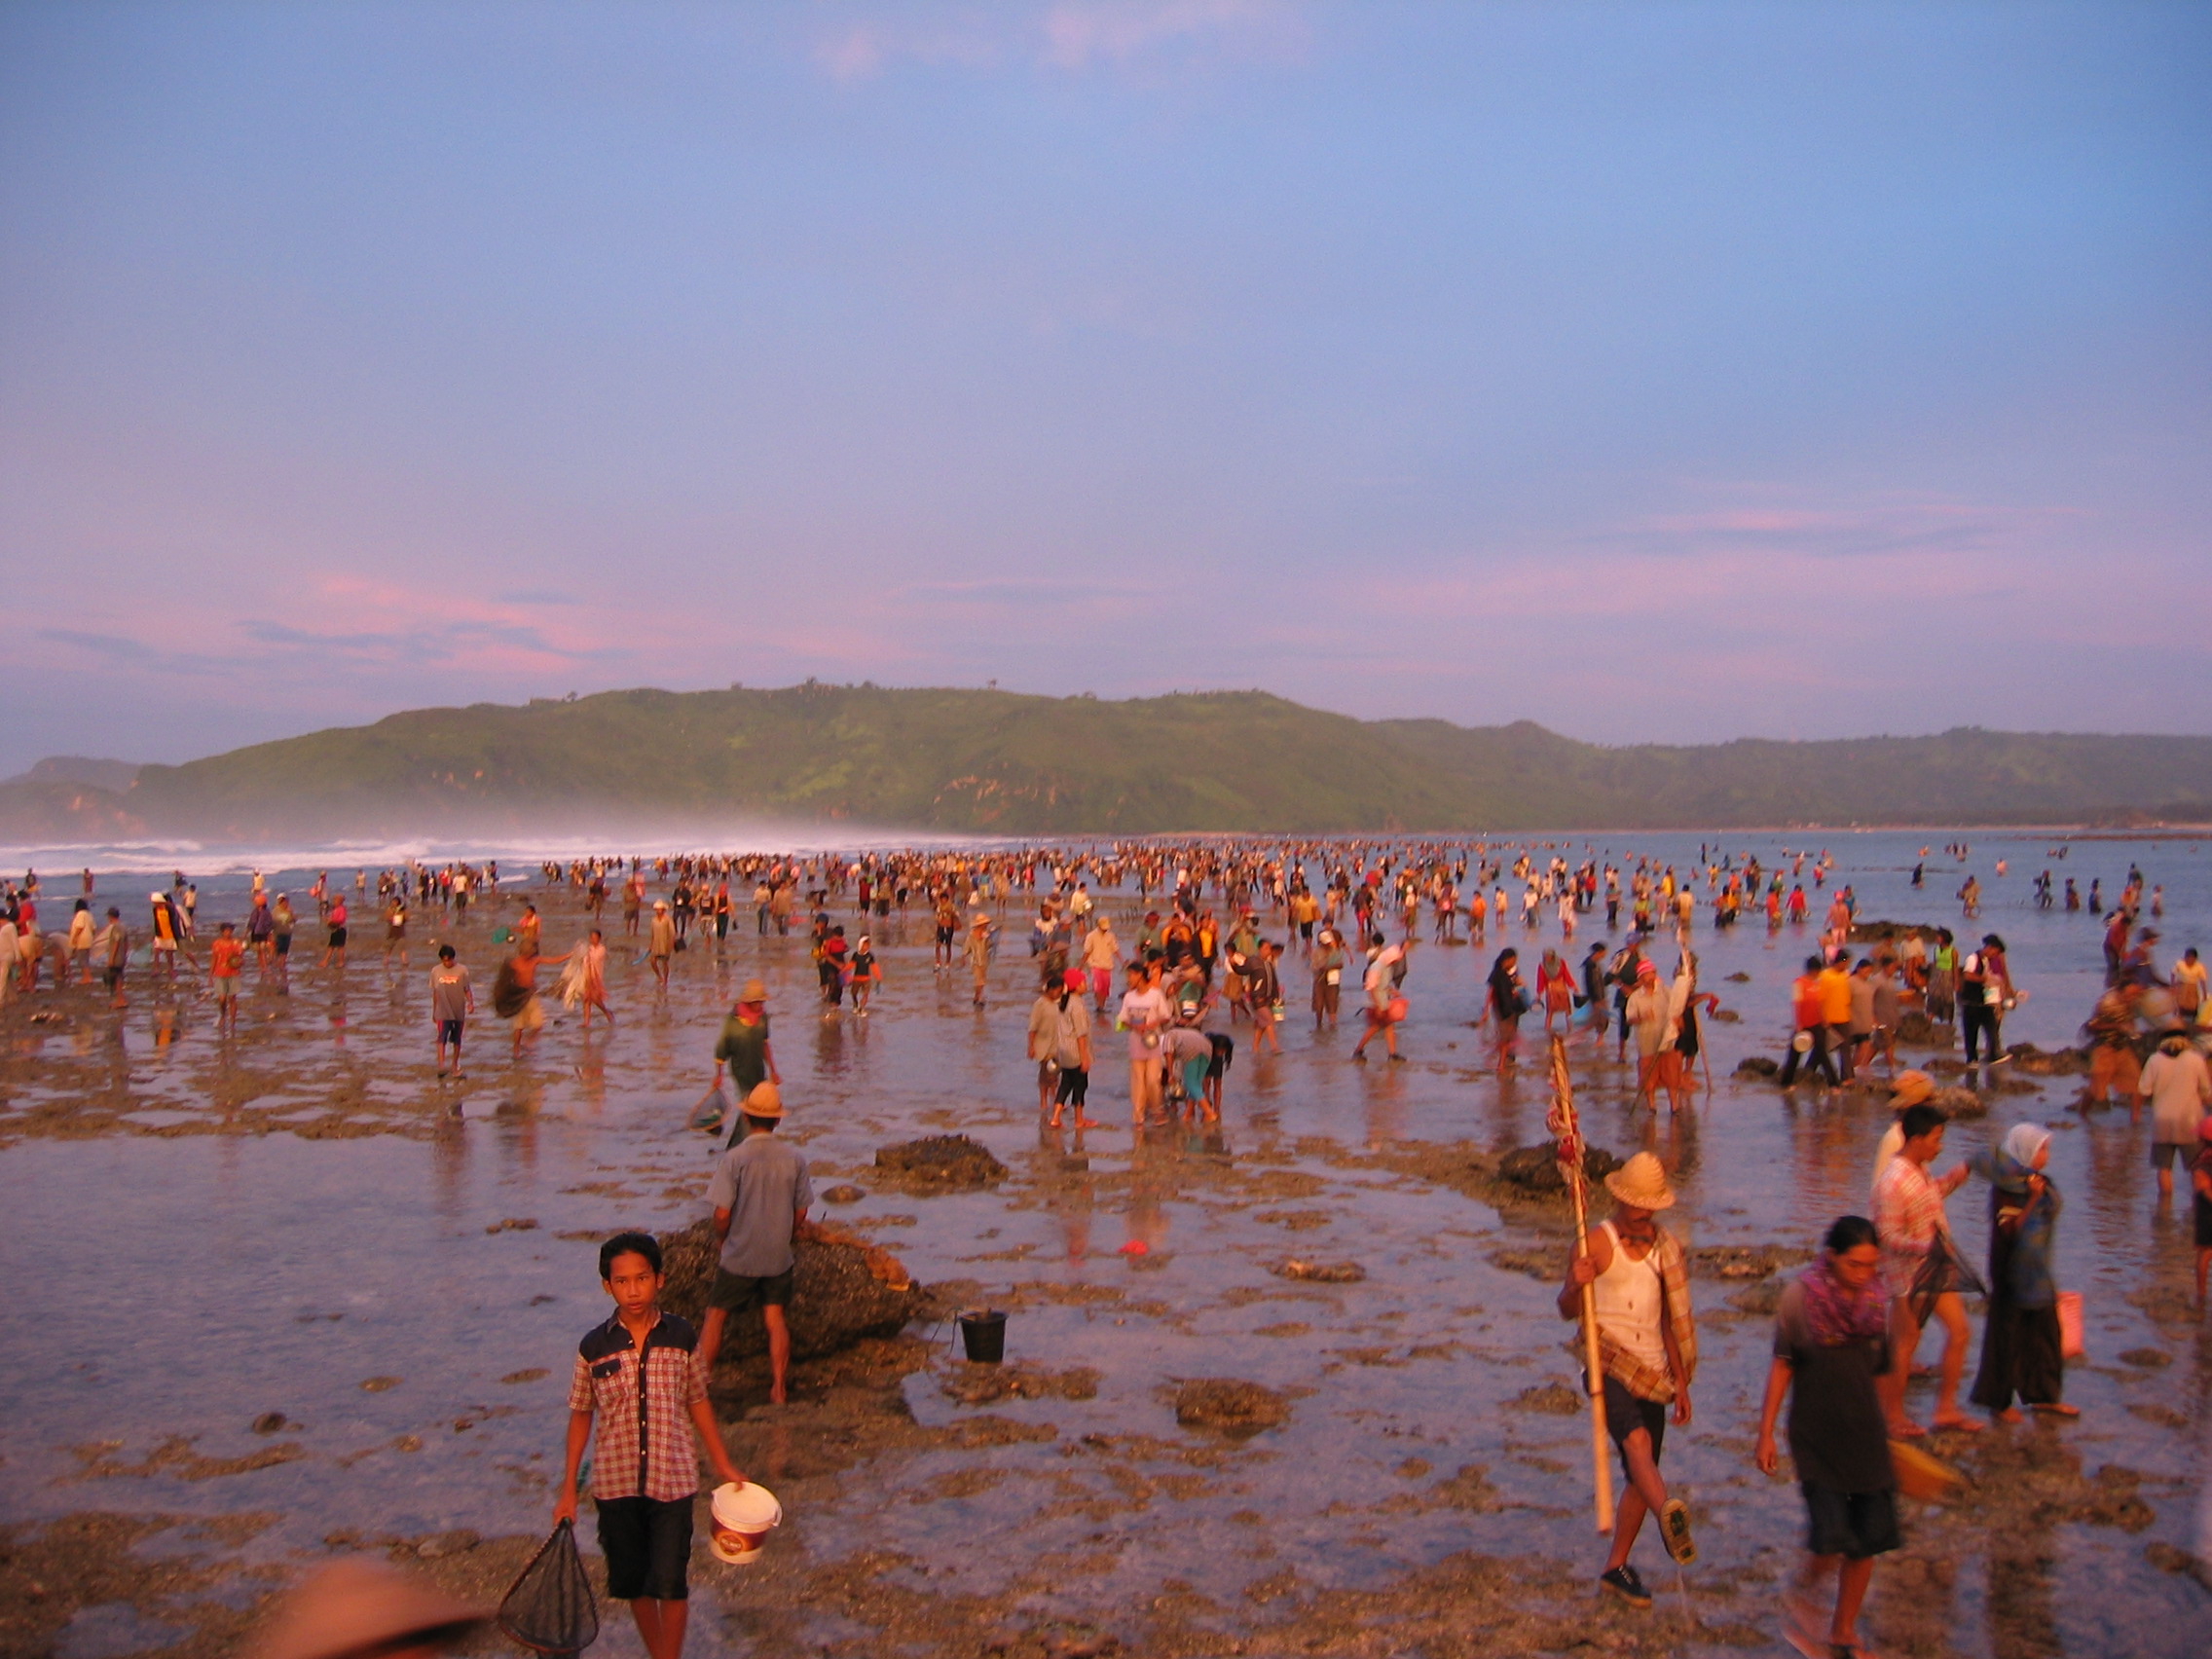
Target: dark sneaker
pixel 1623 1582
pixel 1674 1531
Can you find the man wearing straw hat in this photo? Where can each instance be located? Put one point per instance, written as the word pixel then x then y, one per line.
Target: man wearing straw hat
pixel 759 1194
pixel 743 1047
pixel 1648 1345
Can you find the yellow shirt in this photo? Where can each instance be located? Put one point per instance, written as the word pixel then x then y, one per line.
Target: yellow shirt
pixel 1835 996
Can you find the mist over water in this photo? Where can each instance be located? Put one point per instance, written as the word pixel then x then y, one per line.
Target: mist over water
pixel 207 862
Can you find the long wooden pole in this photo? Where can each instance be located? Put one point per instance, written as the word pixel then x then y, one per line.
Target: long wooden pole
pixel 1570 1135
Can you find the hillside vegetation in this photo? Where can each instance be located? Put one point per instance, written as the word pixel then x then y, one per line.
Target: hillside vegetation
pixel 998 763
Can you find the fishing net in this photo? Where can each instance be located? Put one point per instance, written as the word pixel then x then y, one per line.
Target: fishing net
pixel 507 993
pixel 549 1608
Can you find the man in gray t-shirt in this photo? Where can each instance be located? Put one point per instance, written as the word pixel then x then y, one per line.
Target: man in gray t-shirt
pixel 759 1194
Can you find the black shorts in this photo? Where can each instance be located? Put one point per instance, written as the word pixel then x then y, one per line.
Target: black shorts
pixel 944 936
pixel 734 1293
pixel 1853 1525
pixel 1625 1413
pixel 114 976
pixel 648 1545
pixel 284 944
pixel 338 938
pixel 1074 1085
pixel 2202 1209
pixel 449 1031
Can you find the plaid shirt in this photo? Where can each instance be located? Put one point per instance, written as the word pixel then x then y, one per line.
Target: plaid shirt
pixel 644 1409
pixel 1908 1214
pixel 1645 1381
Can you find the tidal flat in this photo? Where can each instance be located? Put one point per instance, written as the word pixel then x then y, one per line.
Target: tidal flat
pixel 286 1292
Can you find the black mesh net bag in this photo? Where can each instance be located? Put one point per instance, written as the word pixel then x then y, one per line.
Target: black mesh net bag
pixel 549 1607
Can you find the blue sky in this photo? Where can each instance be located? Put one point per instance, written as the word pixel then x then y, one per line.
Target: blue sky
pixel 1656 372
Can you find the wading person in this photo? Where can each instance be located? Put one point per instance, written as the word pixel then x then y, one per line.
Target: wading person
pixel 1647 1014
pixel 451 1001
pixel 1507 1000
pixel 863 974
pixel 1071 1050
pixel 115 950
pixel 1385 1007
pixel 636 1384
pixel 514 992
pixel 660 942
pixel 1101 950
pixel 226 970
pixel 2021 1350
pixel 334 951
pixel 1145 1014
pixel 1044 1037
pixel 1648 1345
pixel 1328 964
pixel 978 951
pixel 743 1048
pixel 1809 1040
pixel 584 979
pixel 759 1194
pixel 1919 1267
pixel 2112 1028
pixel 2177 1085
pixel 1831 1346
pixel 168 942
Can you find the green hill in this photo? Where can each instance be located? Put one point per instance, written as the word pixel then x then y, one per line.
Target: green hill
pixel 997 762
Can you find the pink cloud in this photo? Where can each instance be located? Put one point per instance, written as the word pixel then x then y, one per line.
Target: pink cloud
pixel 1080 32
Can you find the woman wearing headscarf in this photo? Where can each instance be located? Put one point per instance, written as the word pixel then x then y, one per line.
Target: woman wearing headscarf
pixel 2020 1348
pixel 1831 1340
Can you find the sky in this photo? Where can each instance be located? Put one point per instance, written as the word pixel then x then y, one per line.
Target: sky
pixel 1657 372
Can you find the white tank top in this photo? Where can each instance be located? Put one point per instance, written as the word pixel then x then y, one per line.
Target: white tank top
pixel 1629 1303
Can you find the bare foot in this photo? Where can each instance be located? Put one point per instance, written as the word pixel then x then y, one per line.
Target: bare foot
pixel 777 1395
pixel 1957 1423
pixel 1907 1429
pixel 2010 1413
pixel 2058 1408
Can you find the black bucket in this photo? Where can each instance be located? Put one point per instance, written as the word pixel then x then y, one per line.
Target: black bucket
pixel 982 1333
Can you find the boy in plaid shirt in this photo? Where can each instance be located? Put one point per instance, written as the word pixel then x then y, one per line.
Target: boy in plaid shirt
pixel 636 1376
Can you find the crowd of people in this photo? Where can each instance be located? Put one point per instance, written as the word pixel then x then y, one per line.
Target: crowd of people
pixel 1217 927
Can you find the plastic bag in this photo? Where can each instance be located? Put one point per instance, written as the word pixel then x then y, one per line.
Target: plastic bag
pixel 549 1608
pixel 2070 1343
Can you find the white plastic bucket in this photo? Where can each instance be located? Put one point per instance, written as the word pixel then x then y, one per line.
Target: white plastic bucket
pixel 743 1517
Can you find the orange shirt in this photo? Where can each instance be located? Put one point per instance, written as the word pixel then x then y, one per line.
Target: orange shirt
pixel 225 957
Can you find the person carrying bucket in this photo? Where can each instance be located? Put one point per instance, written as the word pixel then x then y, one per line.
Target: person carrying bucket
pixel 636 1387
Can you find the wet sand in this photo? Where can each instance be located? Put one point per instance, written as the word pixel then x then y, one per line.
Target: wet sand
pixel 303 1221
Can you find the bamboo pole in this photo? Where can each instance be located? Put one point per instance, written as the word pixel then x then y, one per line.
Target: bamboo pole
pixel 1569 1133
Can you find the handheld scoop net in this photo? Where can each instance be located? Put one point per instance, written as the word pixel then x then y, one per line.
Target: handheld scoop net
pixel 549 1607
